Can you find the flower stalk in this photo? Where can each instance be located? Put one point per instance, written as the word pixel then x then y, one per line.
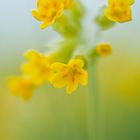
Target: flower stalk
pixel 95 123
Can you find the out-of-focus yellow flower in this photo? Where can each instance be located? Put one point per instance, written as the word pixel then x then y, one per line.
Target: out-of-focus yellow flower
pixel 37 68
pixel 104 49
pixel 21 86
pixel 48 11
pixel 69 75
pixel 119 10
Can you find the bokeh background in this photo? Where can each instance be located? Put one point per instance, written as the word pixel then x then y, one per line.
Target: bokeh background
pixel 53 115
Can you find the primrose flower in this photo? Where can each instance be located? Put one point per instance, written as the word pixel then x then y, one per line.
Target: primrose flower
pixel 119 10
pixel 104 49
pixel 21 86
pixel 37 68
pixel 69 75
pixel 48 11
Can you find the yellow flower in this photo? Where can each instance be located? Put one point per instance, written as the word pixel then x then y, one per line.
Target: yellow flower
pixel 37 68
pixel 48 11
pixel 21 86
pixel 119 10
pixel 104 49
pixel 69 75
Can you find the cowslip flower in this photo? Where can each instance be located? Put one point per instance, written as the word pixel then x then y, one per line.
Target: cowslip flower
pixel 48 11
pixel 104 49
pixel 37 67
pixel 21 86
pixel 69 75
pixel 119 10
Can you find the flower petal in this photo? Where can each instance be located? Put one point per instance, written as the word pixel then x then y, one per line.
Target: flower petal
pixel 36 15
pixel 83 78
pixel 56 67
pixel 32 55
pixel 71 86
pixel 58 81
pixel 76 62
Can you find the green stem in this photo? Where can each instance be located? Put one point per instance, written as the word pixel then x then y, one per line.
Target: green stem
pixel 94 102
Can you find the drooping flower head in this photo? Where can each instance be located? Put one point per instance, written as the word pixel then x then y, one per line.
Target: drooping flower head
pixel 69 75
pixel 119 10
pixel 21 86
pixel 48 11
pixel 37 67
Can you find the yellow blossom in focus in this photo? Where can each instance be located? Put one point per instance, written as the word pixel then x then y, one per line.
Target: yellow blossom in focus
pixel 37 68
pixel 104 49
pixel 21 86
pixel 119 10
pixel 48 11
pixel 69 75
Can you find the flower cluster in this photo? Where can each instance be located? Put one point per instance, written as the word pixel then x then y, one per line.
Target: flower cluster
pixel 119 10
pixel 67 66
pixel 38 70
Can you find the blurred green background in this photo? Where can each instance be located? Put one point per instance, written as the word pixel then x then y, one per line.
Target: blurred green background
pixel 53 115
